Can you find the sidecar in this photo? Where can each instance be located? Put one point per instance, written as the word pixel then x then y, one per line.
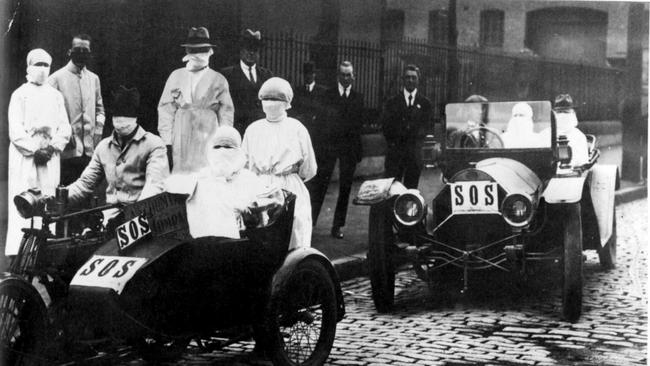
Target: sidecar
pixel 156 288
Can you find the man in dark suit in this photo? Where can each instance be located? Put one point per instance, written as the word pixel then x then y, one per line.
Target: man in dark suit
pixel 245 79
pixel 307 105
pixel 405 118
pixel 340 131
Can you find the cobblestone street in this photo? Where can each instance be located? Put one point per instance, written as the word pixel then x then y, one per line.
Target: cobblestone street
pixel 494 324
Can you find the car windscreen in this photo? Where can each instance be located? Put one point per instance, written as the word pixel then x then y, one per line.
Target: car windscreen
pixel 500 125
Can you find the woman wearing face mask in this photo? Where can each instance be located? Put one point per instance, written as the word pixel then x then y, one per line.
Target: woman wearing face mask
pixel 278 148
pixel 196 100
pixel 38 131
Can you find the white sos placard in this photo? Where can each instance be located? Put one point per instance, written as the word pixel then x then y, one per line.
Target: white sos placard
pixel 108 272
pixel 474 197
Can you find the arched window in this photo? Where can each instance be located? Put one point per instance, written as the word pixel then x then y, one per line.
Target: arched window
pixel 491 31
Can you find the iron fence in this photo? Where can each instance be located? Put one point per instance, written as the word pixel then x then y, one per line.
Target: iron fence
pixel 499 77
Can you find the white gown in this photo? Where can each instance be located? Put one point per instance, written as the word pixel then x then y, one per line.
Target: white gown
pixel 282 153
pixel 37 118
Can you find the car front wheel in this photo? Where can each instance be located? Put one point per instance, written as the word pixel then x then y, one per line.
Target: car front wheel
pixel 607 254
pixel 301 319
pixel 572 264
pixel 380 260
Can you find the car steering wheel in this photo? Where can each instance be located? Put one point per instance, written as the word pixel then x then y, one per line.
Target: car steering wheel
pixel 486 137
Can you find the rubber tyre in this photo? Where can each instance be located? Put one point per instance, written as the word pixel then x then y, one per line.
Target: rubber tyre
pixel 29 317
pixel 607 254
pixel 309 283
pixel 381 266
pixel 572 264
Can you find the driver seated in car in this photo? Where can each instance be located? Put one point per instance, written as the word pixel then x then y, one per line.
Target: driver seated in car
pixel 224 197
pixel 520 133
pixel 475 115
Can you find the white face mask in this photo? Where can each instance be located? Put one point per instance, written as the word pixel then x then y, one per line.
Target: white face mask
pixel 565 121
pixel 37 74
pixel 197 61
pixel 275 110
pixel 124 125
pixel 224 162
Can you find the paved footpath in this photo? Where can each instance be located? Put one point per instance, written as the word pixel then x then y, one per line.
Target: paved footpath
pixel 494 325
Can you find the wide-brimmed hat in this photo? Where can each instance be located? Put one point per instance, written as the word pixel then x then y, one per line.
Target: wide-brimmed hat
pixel 563 102
pixel 198 37
pixel 250 40
pixel 475 98
pixel 126 102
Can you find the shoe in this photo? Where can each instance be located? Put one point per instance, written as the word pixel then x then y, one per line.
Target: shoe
pixel 337 233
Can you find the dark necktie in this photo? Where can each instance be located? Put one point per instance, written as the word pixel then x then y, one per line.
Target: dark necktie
pixel 410 100
pixel 250 73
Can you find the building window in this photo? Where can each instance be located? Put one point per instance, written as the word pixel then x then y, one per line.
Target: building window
pixel 438 27
pixel 491 33
pixel 392 25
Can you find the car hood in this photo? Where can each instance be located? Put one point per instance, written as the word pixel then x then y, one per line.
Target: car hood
pixel 512 175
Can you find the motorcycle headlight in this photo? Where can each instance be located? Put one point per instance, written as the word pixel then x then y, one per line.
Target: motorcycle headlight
pixel 409 208
pixel 517 210
pixel 30 203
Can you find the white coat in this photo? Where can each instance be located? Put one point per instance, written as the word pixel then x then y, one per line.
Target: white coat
pixel 37 119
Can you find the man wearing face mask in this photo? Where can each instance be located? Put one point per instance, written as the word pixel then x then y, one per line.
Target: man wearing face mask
pixel 196 100
pixel 83 102
pixel 279 150
pixel 38 132
pixel 567 125
pixel 245 80
pixel 132 160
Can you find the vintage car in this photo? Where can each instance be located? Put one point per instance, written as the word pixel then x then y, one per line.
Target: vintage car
pixel 141 282
pixel 512 195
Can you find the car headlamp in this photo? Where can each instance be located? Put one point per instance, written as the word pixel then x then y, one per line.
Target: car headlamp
pixel 517 209
pixel 30 203
pixel 409 208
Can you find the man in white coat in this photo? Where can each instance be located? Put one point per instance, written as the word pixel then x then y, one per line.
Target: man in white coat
pixel 196 100
pixel 38 130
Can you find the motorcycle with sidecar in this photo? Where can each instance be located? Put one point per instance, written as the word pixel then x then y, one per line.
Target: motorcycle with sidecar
pixel 79 286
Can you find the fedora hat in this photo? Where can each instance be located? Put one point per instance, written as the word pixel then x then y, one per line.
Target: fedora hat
pixel 126 102
pixel 198 37
pixel 251 40
pixel 563 102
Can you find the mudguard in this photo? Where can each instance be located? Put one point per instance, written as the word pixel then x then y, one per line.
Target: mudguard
pixel 294 258
pixel 564 189
pixel 603 181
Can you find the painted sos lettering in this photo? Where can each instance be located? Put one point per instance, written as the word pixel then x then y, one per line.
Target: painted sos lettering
pixel 474 197
pixel 132 230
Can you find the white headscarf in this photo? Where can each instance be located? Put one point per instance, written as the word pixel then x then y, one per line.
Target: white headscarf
pixel 38 74
pixel 276 96
pixel 522 119
pixel 225 155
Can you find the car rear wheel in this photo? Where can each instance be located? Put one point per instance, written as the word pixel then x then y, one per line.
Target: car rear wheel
pixel 380 260
pixel 23 326
pixel 607 254
pixel 301 320
pixel 572 264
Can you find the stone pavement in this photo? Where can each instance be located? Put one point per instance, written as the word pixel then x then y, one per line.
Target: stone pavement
pixel 493 324
pixel 349 254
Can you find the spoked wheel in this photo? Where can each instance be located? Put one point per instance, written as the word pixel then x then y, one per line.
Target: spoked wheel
pixel 380 259
pixel 301 321
pixel 22 325
pixel 154 350
pixel 572 264
pixel 607 254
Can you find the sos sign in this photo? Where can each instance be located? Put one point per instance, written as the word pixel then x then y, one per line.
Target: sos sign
pixel 131 231
pixel 107 271
pixel 474 197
